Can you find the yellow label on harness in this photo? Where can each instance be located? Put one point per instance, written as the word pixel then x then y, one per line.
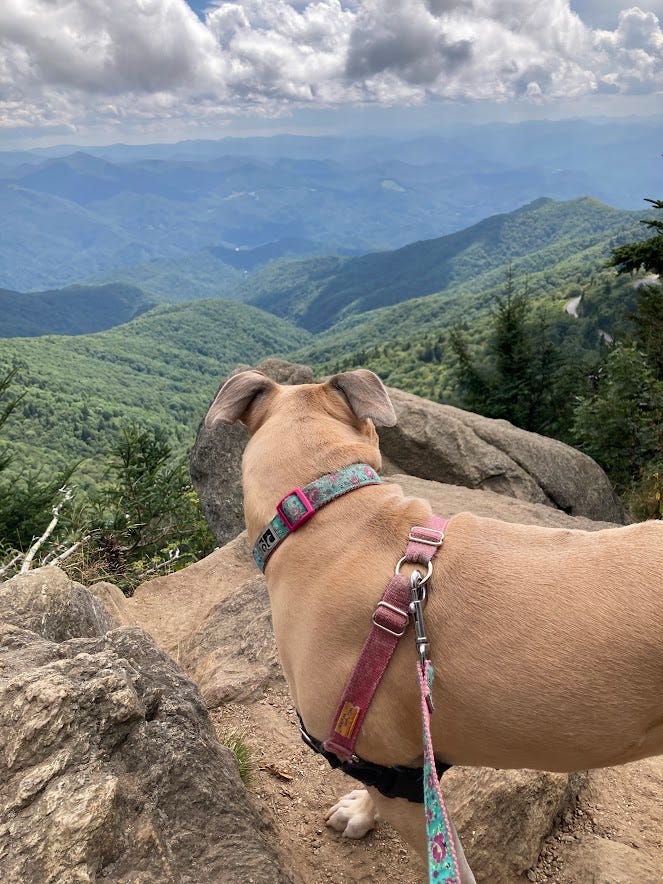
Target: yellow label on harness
pixel 347 720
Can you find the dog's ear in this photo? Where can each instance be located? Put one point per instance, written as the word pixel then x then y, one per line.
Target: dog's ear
pixel 366 395
pixel 236 395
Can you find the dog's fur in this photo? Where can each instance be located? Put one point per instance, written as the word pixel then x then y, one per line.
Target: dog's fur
pixel 548 643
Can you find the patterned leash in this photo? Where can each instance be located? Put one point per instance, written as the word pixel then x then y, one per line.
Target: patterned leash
pixel 442 859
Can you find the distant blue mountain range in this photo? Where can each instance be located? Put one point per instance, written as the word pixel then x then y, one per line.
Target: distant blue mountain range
pixel 71 214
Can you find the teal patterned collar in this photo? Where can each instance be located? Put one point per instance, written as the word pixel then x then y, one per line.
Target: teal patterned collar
pixel 299 505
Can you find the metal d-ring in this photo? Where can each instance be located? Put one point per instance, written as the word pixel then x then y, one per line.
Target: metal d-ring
pixel 423 580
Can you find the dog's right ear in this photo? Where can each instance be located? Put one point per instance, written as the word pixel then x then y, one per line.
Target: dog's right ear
pixel 366 395
pixel 236 396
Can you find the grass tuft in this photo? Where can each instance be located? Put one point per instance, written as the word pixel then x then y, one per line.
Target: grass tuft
pixel 237 744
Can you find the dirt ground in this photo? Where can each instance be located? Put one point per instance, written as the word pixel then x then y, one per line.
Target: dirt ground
pixel 294 787
pixel 615 836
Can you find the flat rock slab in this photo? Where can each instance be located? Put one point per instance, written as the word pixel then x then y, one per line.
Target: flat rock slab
pixel 172 608
pixel 448 500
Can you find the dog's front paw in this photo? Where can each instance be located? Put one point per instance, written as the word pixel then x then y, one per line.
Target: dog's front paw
pixel 354 814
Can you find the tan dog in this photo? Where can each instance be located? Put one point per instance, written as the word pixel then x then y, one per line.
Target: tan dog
pixel 548 643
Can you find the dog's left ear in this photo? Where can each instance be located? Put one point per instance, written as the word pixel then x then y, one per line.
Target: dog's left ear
pixel 366 395
pixel 234 399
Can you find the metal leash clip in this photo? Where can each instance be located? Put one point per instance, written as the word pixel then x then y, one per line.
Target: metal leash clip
pixel 417 610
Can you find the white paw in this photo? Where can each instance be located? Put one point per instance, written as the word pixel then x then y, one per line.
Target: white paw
pixel 353 815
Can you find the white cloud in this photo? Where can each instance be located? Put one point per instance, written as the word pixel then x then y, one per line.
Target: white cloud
pixel 631 57
pixel 74 63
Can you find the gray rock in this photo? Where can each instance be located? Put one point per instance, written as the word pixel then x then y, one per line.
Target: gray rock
pixel 112 768
pixel 232 655
pixel 216 473
pixel 172 607
pixel 503 816
pixel 446 444
pixel 285 372
pixel 50 603
pixel 447 500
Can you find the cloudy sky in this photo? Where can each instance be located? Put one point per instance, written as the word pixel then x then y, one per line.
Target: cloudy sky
pixel 140 70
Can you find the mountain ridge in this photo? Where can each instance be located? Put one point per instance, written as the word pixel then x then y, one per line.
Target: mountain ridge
pixel 319 295
pixel 125 206
pixel 73 310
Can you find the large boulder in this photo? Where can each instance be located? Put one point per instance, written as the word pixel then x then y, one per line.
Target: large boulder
pixel 430 441
pixel 456 447
pixel 111 767
pixel 47 602
pixel 173 607
pixel 232 655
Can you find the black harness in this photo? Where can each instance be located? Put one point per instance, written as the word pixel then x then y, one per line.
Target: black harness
pixel 392 782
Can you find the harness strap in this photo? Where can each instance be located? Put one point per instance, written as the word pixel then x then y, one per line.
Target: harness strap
pixel 300 504
pixel 393 782
pixel 390 620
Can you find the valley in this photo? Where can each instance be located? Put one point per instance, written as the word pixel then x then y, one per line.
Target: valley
pixel 175 262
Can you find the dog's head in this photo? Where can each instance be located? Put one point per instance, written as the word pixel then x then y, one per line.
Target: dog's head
pixel 353 397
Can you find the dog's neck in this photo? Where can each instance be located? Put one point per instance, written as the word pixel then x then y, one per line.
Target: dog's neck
pixel 270 471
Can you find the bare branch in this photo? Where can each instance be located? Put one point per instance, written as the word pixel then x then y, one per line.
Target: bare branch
pixel 29 556
pixel 7 568
pixel 72 549
pixel 173 556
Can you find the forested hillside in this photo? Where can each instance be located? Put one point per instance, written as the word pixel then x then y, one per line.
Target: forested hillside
pixel 546 237
pixel 75 310
pixel 160 370
pixel 215 272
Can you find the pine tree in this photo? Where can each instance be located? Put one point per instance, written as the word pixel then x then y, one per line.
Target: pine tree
pixel 644 255
pixel 520 381
pixel 26 496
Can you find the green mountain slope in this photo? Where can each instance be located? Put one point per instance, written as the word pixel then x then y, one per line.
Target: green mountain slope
pixel 538 236
pixel 215 272
pixel 161 369
pixel 47 241
pixel 186 278
pixel 464 304
pixel 75 310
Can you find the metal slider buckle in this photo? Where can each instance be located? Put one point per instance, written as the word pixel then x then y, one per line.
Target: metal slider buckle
pixel 436 543
pixel 396 610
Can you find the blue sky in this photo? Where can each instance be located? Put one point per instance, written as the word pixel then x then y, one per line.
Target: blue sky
pixel 94 71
